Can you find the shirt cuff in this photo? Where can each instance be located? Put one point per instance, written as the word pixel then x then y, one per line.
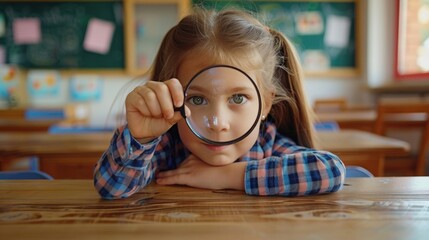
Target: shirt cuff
pixel 133 153
pixel 251 185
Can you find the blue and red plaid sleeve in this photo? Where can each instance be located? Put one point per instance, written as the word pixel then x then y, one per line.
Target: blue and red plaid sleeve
pixel 287 169
pixel 125 167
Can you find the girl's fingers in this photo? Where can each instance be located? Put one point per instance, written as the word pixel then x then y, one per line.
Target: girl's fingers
pixel 169 94
pixel 145 100
pixel 158 100
pixel 176 117
pixel 172 177
pixel 171 173
pixel 176 91
pixel 150 96
pixel 170 180
pixel 135 102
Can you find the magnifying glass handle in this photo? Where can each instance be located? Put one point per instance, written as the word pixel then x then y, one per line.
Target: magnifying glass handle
pixel 181 109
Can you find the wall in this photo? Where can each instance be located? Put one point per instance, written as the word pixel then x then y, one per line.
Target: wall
pixel 381 16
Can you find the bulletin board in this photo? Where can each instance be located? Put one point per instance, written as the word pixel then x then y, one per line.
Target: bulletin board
pixel 62 34
pixel 323 32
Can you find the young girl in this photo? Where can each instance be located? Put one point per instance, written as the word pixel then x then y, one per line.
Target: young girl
pixel 276 158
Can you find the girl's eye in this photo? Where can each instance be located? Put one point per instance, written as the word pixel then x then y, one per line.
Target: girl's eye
pixel 197 100
pixel 238 99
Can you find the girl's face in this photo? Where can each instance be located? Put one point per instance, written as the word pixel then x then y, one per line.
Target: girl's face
pixel 227 120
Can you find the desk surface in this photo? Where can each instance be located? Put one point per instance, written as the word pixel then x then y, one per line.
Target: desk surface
pixel 356 141
pixel 366 208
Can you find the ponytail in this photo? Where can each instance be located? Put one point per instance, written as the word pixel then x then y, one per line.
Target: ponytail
pixel 292 115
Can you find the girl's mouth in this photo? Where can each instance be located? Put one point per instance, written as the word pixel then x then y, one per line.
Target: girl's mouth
pixel 215 148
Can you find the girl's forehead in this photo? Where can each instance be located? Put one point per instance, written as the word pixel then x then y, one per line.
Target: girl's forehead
pixel 221 80
pixel 189 67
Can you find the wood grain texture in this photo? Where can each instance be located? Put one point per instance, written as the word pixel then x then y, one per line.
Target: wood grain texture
pixel 370 208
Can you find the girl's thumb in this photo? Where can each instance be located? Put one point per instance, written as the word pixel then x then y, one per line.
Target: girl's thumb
pixel 178 116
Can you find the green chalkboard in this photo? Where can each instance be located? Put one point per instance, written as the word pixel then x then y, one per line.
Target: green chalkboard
pixel 322 31
pixel 62 31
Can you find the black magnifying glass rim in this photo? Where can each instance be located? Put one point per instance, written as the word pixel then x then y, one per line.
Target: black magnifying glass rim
pixel 196 133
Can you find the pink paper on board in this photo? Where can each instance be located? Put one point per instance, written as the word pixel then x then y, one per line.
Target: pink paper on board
pixel 98 36
pixel 26 31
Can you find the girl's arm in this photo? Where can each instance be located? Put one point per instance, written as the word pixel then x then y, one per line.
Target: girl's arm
pixel 274 166
pixel 125 167
pixel 293 170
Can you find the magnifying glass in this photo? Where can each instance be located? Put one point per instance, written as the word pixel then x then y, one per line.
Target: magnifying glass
pixel 225 104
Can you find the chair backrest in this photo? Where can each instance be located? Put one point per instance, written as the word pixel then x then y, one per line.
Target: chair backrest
pixel 24 175
pixel 406 115
pixel 357 172
pixel 330 104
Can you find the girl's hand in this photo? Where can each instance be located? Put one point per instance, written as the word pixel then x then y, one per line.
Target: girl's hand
pixel 196 173
pixel 150 108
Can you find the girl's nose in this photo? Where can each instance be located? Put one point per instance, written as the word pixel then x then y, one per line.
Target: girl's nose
pixel 217 123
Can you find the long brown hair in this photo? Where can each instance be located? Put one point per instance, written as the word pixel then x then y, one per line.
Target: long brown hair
pixel 292 115
pixel 238 38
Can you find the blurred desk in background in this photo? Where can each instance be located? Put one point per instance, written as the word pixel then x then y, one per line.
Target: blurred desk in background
pixel 359 119
pixel 29 119
pixel 361 148
pixel 72 156
pixel 366 208
pixel 12 113
pixel 69 156
pixel 365 119
pixel 23 125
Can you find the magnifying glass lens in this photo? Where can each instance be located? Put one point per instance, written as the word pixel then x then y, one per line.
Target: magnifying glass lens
pixel 225 104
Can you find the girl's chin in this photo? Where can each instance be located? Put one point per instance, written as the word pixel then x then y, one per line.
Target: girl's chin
pixel 218 162
pixel 214 155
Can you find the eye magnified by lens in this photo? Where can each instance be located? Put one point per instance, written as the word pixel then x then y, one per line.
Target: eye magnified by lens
pixel 225 104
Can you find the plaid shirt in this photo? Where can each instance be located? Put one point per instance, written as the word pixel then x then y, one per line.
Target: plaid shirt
pixel 275 165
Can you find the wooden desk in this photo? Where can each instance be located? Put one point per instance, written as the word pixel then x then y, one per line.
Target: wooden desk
pixel 366 208
pixel 13 113
pixel 22 125
pixel 360 119
pixel 365 119
pixel 362 148
pixel 16 119
pixel 72 156
pixel 69 156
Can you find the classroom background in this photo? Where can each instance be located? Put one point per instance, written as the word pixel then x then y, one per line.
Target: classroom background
pixel 64 62
pixel 50 58
pixel 80 56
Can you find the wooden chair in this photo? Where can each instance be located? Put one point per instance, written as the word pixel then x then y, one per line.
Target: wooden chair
pixel 411 115
pixel 330 104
